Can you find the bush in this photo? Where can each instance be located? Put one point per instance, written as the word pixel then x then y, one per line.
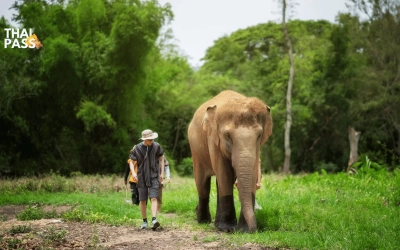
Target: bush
pixel 36 213
pixel 31 213
pixel 328 167
pixel 185 168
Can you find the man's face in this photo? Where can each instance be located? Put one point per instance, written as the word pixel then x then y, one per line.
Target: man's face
pixel 148 142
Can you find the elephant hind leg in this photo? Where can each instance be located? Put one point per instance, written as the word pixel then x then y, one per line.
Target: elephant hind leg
pixel 203 208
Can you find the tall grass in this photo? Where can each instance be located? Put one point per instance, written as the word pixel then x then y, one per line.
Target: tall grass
pixel 316 211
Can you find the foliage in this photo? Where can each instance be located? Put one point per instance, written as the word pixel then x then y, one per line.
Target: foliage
pixel 93 115
pixel 54 235
pixel 74 108
pixel 185 168
pixel 36 213
pixel 109 69
pixel 21 229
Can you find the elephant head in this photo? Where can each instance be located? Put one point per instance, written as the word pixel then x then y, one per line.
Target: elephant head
pixel 236 129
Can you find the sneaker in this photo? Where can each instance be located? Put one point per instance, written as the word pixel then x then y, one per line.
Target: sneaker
pixel 256 206
pixel 155 224
pixel 144 225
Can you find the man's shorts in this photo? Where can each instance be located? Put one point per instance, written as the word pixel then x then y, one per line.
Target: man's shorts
pixel 144 193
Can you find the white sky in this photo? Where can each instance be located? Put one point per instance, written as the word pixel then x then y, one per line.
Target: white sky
pixel 198 23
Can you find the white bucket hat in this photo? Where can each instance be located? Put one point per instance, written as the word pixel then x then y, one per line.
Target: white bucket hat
pixel 149 135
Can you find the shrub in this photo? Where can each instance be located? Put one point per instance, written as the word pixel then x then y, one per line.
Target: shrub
pixel 185 168
pixel 36 213
pixel 31 213
pixel 328 167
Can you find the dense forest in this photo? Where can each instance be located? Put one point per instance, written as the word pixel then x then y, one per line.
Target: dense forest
pixel 108 70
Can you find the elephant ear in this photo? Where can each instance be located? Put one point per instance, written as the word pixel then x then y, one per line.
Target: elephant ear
pixel 267 129
pixel 209 124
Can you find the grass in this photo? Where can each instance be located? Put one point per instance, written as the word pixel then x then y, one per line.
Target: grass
pixel 316 211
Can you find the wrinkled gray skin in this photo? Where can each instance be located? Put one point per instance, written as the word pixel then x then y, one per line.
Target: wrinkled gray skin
pixel 225 136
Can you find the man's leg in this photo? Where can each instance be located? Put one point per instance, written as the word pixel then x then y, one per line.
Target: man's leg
pixel 135 193
pixel 153 195
pixel 143 193
pixel 154 207
pixel 143 209
pixel 159 198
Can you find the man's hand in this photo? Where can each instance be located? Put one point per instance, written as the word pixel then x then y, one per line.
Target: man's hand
pixel 168 180
pixel 161 177
pixel 258 185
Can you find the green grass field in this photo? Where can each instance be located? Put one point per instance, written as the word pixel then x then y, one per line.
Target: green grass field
pixel 316 211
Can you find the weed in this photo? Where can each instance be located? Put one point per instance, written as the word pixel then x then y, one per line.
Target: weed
pixel 210 238
pixel 53 235
pixel 50 214
pixel 20 229
pixel 36 213
pixel 75 215
pixel 31 213
pixel 95 237
pixel 13 243
pixel 3 217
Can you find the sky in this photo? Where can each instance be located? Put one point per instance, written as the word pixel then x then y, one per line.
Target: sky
pixel 198 23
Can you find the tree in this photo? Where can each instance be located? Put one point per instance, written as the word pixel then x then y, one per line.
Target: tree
pixel 88 83
pixel 288 123
pixel 354 137
pixel 376 36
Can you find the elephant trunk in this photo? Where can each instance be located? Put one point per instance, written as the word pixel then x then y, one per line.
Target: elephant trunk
pixel 245 171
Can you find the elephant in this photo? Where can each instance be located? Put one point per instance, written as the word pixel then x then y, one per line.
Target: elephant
pixel 225 136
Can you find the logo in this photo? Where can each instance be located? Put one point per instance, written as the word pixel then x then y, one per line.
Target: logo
pixel 21 39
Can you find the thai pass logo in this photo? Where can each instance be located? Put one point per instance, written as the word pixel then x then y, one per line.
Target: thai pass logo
pixel 21 39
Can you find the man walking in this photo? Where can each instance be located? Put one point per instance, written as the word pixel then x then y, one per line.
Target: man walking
pixel 149 174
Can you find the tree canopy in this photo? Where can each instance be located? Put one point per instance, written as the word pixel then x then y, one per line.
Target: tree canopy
pixel 108 70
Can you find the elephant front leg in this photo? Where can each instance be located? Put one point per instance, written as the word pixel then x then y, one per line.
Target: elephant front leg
pixel 203 208
pixel 225 219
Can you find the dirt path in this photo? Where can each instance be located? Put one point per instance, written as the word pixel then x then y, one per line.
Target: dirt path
pixel 44 234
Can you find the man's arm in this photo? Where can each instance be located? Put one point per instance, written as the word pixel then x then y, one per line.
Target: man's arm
pixel 131 166
pixel 258 185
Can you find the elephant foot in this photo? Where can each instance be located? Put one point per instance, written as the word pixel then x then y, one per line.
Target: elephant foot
pixel 203 212
pixel 206 220
pixel 242 228
pixel 226 227
pixel 225 219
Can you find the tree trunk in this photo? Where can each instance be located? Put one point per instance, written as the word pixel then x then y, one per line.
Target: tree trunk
pixel 397 149
pixel 270 159
pixel 286 164
pixel 354 136
pixel 178 127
